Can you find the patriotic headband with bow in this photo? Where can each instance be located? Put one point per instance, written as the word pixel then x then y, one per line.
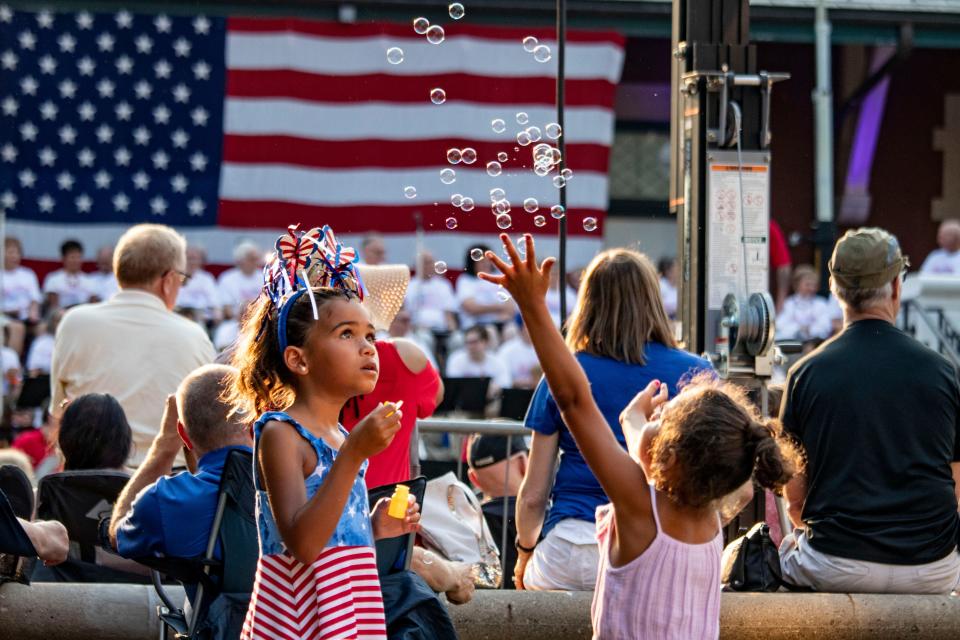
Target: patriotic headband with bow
pixel 304 260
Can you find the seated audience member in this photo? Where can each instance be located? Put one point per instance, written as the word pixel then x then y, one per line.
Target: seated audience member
pixel 877 413
pixel 40 446
pixel 49 539
pixel 40 355
pixel 497 476
pixel 373 250
pixel 199 293
pixel 103 283
pixel 12 371
pixel 669 272
pixel 68 286
pixel 945 260
pixel 480 302
pixel 15 457
pixel 402 327
pixel 94 434
pixel 21 290
pixel 521 359
pixel 158 514
pixel 805 316
pixel 476 361
pixel 242 284
pixel 430 298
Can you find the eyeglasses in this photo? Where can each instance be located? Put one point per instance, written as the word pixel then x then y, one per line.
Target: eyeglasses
pixel 184 277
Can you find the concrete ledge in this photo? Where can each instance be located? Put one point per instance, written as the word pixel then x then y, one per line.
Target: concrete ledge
pixel 127 612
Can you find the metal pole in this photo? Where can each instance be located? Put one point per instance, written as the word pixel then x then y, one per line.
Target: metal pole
pixel 823 110
pixel 561 145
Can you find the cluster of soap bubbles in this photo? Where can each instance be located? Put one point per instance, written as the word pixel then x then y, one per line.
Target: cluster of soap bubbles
pixel 545 158
pixel 433 32
pixel 541 52
pixel 467 155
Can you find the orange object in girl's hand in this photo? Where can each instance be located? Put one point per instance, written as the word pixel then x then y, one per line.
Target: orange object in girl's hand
pixel 399 502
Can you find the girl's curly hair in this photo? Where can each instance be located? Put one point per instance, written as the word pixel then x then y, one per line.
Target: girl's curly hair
pixel 712 439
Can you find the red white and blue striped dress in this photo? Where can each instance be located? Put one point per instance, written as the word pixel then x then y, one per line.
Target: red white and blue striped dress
pixel 338 595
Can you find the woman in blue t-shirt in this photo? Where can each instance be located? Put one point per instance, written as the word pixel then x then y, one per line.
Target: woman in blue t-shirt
pixel 623 339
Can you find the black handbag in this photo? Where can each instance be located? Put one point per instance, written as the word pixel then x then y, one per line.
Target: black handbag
pixel 752 562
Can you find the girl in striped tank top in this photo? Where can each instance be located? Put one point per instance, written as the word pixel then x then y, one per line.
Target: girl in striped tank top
pixel 307 348
pixel 660 538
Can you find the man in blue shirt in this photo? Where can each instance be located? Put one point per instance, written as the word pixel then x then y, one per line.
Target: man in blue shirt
pixel 159 514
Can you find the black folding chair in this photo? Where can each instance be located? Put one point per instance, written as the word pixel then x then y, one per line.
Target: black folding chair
pixel 514 403
pixel 395 554
pixel 80 499
pixel 223 584
pixel 16 485
pixel 16 549
pixel 468 395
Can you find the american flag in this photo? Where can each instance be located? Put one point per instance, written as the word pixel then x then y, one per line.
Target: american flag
pixel 232 128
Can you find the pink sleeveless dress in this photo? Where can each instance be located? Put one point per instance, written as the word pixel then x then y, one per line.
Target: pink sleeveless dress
pixel 670 592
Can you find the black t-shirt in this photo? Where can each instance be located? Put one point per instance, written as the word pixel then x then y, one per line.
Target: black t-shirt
pixel 493 512
pixel 877 414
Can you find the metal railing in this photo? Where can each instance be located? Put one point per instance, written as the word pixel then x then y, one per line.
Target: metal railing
pixel 947 336
pixel 465 427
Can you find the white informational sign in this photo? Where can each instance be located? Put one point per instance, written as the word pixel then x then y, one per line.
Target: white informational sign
pixel 737 258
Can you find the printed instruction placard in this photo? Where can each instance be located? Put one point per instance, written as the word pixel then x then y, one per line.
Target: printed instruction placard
pixel 730 249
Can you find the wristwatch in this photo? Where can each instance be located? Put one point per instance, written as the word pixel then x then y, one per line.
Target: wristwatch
pixel 520 547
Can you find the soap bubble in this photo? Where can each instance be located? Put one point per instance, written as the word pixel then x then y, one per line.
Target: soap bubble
pixel 440 266
pixel 534 133
pixel 438 96
pixel 530 43
pixel 420 25
pixel 456 200
pixel 410 192
pixel 523 138
pixel 448 176
pixel 469 155
pixel 541 169
pixel 501 206
pixel 476 254
pixel 539 221
pixel 589 224
pixel 451 223
pixel 454 155
pixel 540 53
pixel 530 205
pixel 504 221
pixel 394 55
pixel 497 194
pixel 493 168
pixel 435 34
pixel 559 182
pixel 557 211
pixel 498 125
pixel 467 204
pixel 502 294
pixel 456 10
pixel 522 117
pixel 553 130
pixel 567 174
pixel 502 156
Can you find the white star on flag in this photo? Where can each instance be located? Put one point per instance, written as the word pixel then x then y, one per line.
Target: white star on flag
pixel 9 106
pixel 45 19
pixel 124 19
pixel 143 90
pixel 9 60
pixel 141 181
pixel 87 111
pixel 84 20
pixel 158 205
pixel 201 25
pixel 8 200
pixel 83 203
pixel 121 202
pixel 67 43
pixel 86 157
pixel 201 70
pixel 28 131
pixel 102 179
pixel 162 23
pixel 181 93
pixel 181 47
pixel 161 115
pixel 68 135
pixel 27 40
pixel 9 153
pixel 196 207
pixel 104 134
pixel 122 157
pixel 199 117
pixel 46 203
pixel 6 15
pixel 27 179
pixel 123 110
pixel 180 139
pixel 48 110
pixel 48 65
pixel 68 89
pixel 160 160
pixel 144 43
pixel 65 181
pixel 105 88
pixel 86 66
pixel 124 65
pixel 179 183
pixel 198 161
pixel 105 42
pixel 47 156
pixel 162 69
pixel 141 135
pixel 28 86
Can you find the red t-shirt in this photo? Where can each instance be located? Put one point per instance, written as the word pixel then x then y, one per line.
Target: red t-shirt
pixel 34 444
pixel 779 251
pixel 396 382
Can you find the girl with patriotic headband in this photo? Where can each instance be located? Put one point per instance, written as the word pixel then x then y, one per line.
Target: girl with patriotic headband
pixel 307 346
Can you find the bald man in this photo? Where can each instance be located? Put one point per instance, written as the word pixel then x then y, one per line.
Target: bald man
pixel 945 260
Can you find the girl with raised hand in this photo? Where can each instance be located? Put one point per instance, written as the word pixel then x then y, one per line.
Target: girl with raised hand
pixel 307 347
pixel 660 539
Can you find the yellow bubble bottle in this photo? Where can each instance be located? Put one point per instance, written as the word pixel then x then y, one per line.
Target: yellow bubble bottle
pixel 399 502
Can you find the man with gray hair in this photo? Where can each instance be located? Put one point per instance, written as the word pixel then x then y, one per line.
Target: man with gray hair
pixel 945 260
pixel 877 413
pixel 162 515
pixel 132 346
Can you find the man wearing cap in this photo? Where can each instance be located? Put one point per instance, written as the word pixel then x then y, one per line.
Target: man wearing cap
pixel 497 475
pixel 877 412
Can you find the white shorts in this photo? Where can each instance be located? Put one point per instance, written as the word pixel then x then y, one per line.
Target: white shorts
pixel 803 565
pixel 566 560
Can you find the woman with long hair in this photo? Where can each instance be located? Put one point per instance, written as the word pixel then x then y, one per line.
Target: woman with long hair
pixel 622 337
